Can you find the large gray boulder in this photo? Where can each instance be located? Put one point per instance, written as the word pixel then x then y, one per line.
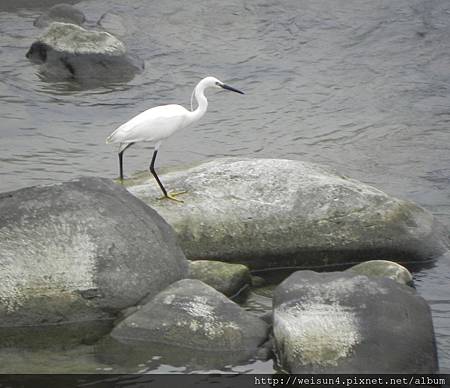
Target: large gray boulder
pixel 191 314
pixel 80 252
pixel 281 213
pixel 69 51
pixel 342 322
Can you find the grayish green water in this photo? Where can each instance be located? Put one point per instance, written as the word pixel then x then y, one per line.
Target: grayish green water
pixel 362 86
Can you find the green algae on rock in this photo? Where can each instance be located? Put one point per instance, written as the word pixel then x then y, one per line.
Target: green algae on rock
pixel 229 279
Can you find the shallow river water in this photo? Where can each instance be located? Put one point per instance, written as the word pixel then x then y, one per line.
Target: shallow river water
pixel 361 86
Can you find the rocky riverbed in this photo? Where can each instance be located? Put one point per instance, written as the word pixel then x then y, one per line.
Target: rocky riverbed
pixel 87 262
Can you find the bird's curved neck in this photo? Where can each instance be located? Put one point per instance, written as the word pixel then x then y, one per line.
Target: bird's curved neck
pixel 199 93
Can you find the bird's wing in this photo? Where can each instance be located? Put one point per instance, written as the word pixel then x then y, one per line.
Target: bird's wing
pixel 154 124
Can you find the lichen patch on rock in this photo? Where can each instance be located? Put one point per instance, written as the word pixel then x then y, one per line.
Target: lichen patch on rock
pixel 319 334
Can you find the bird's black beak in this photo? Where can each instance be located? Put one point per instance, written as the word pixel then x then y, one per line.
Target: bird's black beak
pixel 230 88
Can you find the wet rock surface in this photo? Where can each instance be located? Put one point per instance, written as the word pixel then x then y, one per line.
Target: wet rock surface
pixel 384 268
pixel 280 213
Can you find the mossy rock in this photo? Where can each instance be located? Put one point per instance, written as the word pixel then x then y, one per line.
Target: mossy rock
pixel 384 268
pixel 229 279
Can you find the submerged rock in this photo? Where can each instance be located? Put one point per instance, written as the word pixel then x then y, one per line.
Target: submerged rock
pixel 112 23
pixel 285 213
pixel 68 51
pixel 65 13
pixel 384 268
pixel 229 279
pixel 193 315
pixel 342 322
pixel 78 253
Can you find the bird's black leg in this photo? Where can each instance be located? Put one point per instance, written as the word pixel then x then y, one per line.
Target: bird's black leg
pixel 121 160
pixel 166 194
pixel 152 170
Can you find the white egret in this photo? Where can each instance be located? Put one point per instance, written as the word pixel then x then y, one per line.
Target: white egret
pixel 156 124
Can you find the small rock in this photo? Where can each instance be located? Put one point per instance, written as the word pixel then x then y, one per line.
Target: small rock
pixel 384 268
pixel 72 39
pixel 229 279
pixel 191 314
pixel 67 51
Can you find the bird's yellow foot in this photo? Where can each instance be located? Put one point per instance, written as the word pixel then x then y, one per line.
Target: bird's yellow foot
pixel 172 196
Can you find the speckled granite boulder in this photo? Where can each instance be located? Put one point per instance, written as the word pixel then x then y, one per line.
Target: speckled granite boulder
pixel 341 322
pixel 285 213
pixel 191 314
pixel 384 268
pixel 79 252
pixel 229 279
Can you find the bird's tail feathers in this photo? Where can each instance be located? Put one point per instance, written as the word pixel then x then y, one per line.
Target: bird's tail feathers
pixel 111 138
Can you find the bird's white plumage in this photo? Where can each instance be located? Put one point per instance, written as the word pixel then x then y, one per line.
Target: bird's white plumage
pixel 152 125
pixel 156 124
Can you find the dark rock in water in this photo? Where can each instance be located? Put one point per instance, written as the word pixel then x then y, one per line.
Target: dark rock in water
pixel 193 315
pixel 67 51
pixel 229 279
pixel 384 268
pixel 65 13
pixel 342 322
pixel 79 252
pixel 284 213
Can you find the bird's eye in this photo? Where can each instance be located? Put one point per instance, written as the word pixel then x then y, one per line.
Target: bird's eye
pixel 217 84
